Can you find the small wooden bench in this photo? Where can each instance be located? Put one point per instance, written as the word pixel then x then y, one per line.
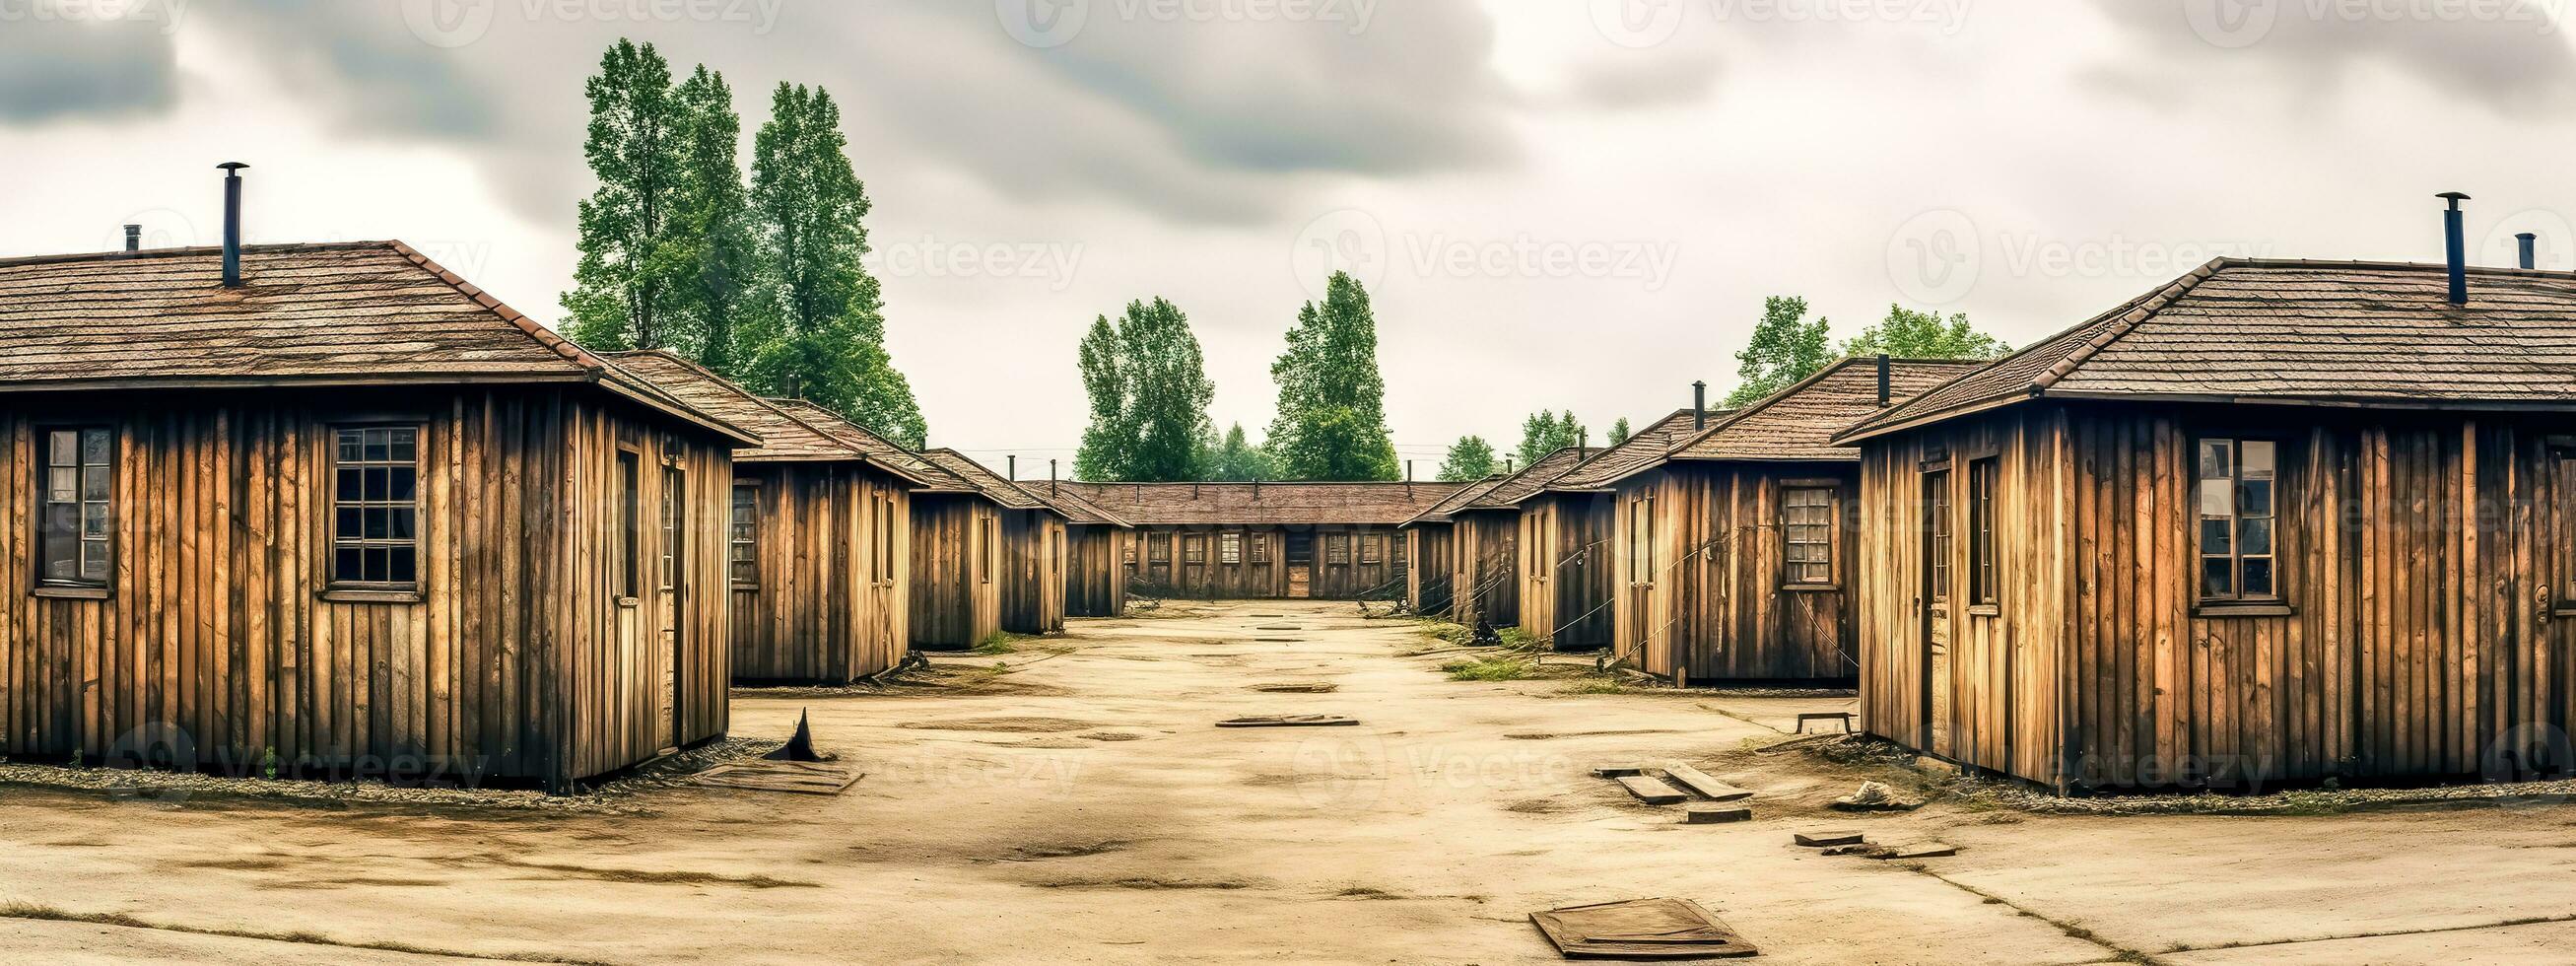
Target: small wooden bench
pixel 1843 716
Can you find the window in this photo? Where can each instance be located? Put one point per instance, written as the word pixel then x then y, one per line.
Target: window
pixel 73 536
pixel 1127 549
pixel 1194 550
pixel 992 556
pixel 674 499
pixel 1337 548
pixel 2236 515
pixel 1807 523
pixel 630 583
pixel 1982 476
pixel 743 559
pixel 1260 548
pixel 1936 499
pixel 1372 548
pixel 885 538
pixel 1229 548
pixel 2562 464
pixel 1641 538
pixel 375 512
pixel 1158 549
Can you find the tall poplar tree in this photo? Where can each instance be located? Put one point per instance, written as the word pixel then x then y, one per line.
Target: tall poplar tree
pixel 1239 460
pixel 1470 458
pixel 1785 348
pixel 1331 423
pixel 712 259
pixel 622 284
pixel 1619 432
pixel 821 334
pixel 1147 381
pixel 1546 432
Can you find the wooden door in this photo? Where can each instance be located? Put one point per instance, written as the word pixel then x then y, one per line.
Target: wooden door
pixel 667 606
pixel 1935 602
pixel 1301 564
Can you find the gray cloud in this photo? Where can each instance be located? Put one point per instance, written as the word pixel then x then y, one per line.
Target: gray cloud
pixel 56 69
pixel 2504 55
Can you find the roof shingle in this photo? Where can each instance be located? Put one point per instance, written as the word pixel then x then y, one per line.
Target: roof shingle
pixel 784 438
pixel 1797 424
pixel 1264 504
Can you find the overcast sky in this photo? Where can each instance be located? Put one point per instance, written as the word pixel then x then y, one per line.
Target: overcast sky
pixel 1554 202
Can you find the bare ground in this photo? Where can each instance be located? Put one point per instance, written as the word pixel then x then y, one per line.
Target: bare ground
pixel 1078 807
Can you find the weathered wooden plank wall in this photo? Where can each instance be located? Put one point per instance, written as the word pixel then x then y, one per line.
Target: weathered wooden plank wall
pixel 1485 578
pixel 833 548
pixel 956 603
pixel 1431 553
pixel 1715 602
pixel 1095 575
pixel 1033 560
pixel 1369 561
pixel 219 630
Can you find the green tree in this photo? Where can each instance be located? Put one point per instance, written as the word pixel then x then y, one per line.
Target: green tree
pixel 1907 334
pixel 1470 458
pixel 712 257
pixel 1239 460
pixel 1785 348
pixel 622 286
pixel 1149 390
pixel 1546 432
pixel 1331 423
pixel 821 332
pixel 1619 431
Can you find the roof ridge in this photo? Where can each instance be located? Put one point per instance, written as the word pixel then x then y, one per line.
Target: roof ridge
pixel 191 250
pixel 2141 311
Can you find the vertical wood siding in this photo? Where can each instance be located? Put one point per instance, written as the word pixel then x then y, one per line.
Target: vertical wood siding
pixel 1431 552
pixel 1214 579
pixel 1485 578
pixel 1715 603
pixel 1565 571
pixel 825 606
pixel 1095 576
pixel 953 606
pixel 217 631
pixel 1032 578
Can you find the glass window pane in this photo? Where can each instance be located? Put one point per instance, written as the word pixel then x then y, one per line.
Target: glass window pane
pixel 378 483
pixel 95 446
pixel 94 560
pixel 379 445
pixel 403 564
pixel 406 482
pixel 405 524
pixel 2254 498
pixel 2215 498
pixel 345 564
pixel 62 559
pixel 94 483
pixel 2258 576
pixel 2214 537
pixel 62 484
pixel 405 447
pixel 350 487
pixel 93 521
pixel 2257 534
pixel 62 447
pixel 352 445
pixel 377 564
pixel 2217 577
pixel 350 523
pixel 2258 459
pixel 2217 458
pixel 379 522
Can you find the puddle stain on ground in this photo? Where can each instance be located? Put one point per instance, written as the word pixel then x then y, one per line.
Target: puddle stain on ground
pixel 1001 724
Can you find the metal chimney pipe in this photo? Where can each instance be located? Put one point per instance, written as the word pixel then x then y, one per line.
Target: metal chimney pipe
pixel 1699 405
pixel 232 222
pixel 1051 478
pixel 1885 392
pixel 1408 471
pixel 2456 244
pixel 2528 243
pixel 133 238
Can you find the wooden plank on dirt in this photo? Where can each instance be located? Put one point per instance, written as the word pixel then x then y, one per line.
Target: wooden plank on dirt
pixel 1715 813
pixel 1652 790
pixel 1700 783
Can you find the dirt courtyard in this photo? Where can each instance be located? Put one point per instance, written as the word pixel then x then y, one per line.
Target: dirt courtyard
pixel 1081 809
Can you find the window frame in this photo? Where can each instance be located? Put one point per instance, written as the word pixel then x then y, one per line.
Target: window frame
pixel 1337 550
pixel 2236 598
pixel 1830 541
pixel 1372 549
pixel 1260 553
pixel 1641 538
pixel 1229 548
pixel 630 525
pixel 2562 470
pixel 359 588
pixel 1985 484
pixel 988 548
pixel 77 532
pixel 742 536
pixel 672 526
pixel 1194 550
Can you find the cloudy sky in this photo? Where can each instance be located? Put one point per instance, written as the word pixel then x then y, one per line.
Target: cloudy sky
pixel 1556 203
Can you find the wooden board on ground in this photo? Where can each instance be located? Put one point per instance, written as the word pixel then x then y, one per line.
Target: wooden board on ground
pixel 1288 721
pixel 1698 781
pixel 1651 790
pixel 1818 839
pixel 1715 813
pixel 1618 771
pixel 798 777
pixel 1640 929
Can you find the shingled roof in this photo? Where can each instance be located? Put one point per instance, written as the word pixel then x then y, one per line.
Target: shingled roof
pixel 1440 512
pixel 1797 424
pixel 2262 330
pixel 1647 447
pixel 1075 506
pixel 881 452
pixel 990 484
pixel 1265 504
pixel 784 438
pixel 341 314
pixel 1528 482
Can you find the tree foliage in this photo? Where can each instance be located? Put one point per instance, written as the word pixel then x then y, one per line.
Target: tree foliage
pixel 1785 348
pixel 1239 460
pixel 1149 391
pixel 1907 334
pixel 1546 432
pixel 710 257
pixel 821 332
pixel 622 285
pixel 1470 458
pixel 1331 423
pixel 1619 432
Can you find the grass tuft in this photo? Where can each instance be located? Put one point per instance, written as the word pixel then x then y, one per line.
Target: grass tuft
pixel 1488 669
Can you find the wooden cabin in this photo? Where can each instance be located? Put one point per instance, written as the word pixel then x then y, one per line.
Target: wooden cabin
pixel 1487 559
pixel 818 555
pixel 2275 522
pixel 1572 520
pixel 1020 550
pixel 1253 541
pixel 347 509
pixel 1095 542
pixel 1431 544
pixel 1732 546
